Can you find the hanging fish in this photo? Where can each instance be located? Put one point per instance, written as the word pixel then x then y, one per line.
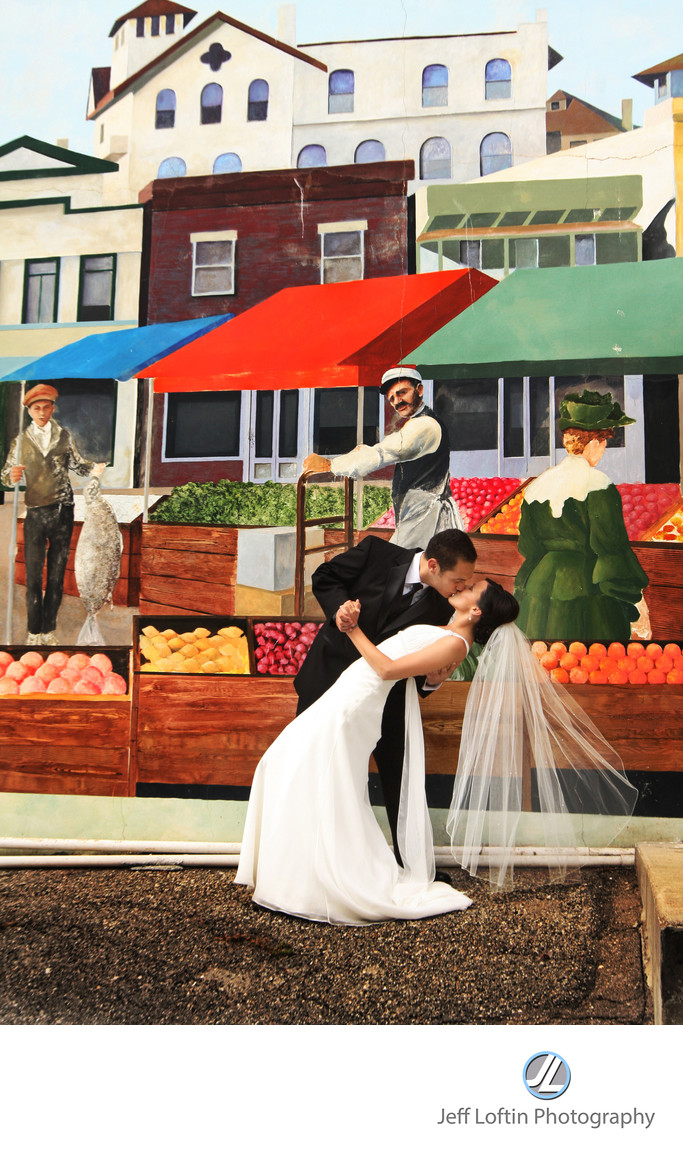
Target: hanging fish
pixel 97 564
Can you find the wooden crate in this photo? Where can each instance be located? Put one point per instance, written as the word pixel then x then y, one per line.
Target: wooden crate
pixel 68 745
pixel 187 570
pixel 127 589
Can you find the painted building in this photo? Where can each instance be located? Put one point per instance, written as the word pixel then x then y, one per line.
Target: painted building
pixel 608 202
pixel 69 267
pixel 571 122
pixel 180 99
pixel 220 244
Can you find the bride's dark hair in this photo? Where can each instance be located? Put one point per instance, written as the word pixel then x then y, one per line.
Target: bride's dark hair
pixel 497 606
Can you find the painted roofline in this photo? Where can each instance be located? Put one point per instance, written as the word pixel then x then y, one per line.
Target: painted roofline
pixel 649 75
pixel 66 201
pixel 182 45
pixel 168 9
pixel 81 164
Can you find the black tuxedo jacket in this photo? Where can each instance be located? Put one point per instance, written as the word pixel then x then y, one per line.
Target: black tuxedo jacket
pixel 373 572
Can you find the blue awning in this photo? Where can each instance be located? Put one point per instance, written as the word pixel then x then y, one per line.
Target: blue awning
pixel 115 354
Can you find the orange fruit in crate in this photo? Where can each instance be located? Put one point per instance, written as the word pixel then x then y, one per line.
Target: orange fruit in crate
pixel 672 649
pixel 569 661
pixel 559 675
pixel 590 663
pixel 635 649
pixel 675 677
pixel 618 678
pixel 637 677
pixel 597 677
pixel 645 663
pixel 539 648
pixel 597 649
pixel 558 648
pixel 578 675
pixel 653 650
pixel 616 650
pixel 626 664
pixel 549 660
pixel 656 676
pixel 664 663
pixel 578 649
pixel 608 665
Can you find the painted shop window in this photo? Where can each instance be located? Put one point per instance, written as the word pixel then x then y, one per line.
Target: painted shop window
pixel 435 159
pixel 469 408
pixel 584 251
pixel 172 168
pixel 616 247
pixel 213 263
pixel 524 253
pixel 341 90
pixel 483 254
pixel 165 109
pixel 202 425
pixel 554 252
pixel 342 251
pixel 495 153
pixel 312 156
pixel 257 107
pixel 498 80
pixel 154 25
pixel 41 290
pixel 211 104
pixel 435 86
pixel 539 415
pixel 513 417
pixel 334 419
pixel 227 162
pixel 96 288
pixel 370 152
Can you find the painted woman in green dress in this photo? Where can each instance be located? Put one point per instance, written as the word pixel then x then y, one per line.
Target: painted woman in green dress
pixel 580 578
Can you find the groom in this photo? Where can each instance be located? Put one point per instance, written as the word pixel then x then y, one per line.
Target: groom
pixel 396 587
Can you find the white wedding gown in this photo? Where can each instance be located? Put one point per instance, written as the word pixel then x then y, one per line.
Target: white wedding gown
pixel 312 846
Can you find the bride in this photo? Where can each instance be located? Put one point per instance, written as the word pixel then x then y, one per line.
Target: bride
pixel 312 846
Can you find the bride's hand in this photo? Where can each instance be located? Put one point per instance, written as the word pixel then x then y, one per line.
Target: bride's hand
pixel 348 615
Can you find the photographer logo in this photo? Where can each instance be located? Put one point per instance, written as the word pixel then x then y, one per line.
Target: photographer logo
pixel 546 1075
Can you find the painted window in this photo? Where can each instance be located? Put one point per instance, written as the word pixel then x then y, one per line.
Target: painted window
pixel 257 107
pixel 370 152
pixel 96 288
pixel 171 168
pixel 498 80
pixel 140 26
pixel 335 411
pixel 165 109
pixel 154 25
pixel 524 253
pixel 211 104
pixel 342 251
pixel 495 153
pixel 554 105
pixel 341 91
pixel 469 408
pixel 227 162
pixel 486 254
pixel 202 425
pixel 213 263
pixel 41 289
pixel 435 159
pixel 435 86
pixel 312 156
pixel 170 24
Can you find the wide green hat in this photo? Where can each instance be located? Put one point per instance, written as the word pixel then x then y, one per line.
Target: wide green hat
pixel 591 411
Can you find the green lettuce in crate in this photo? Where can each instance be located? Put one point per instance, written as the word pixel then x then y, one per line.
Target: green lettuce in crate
pixel 269 504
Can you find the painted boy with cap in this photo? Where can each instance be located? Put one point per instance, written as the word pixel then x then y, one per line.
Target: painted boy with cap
pixel 420 452
pixel 46 455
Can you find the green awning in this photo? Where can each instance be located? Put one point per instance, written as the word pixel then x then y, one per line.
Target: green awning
pixel 616 319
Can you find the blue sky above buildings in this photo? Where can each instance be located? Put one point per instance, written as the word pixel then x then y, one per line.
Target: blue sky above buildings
pixel 49 46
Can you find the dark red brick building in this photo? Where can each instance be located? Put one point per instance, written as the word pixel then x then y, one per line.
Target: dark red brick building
pixel 220 244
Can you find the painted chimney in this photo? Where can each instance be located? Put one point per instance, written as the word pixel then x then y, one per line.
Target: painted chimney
pixel 627 115
pixel 286 24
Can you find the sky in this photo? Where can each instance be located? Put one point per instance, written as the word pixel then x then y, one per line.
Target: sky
pixel 48 47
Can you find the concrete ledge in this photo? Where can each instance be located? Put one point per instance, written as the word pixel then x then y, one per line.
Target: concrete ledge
pixel 659 867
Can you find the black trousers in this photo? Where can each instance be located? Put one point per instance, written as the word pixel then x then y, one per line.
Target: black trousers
pixel 47 532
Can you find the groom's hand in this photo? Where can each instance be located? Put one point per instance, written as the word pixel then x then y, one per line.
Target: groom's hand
pixel 347 615
pixel 436 678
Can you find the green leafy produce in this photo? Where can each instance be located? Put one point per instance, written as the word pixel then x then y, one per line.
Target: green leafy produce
pixel 261 504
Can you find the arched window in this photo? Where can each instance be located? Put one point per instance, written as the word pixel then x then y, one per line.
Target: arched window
pixel 340 92
pixel 212 104
pixel 312 156
pixel 435 159
pixel 435 86
pixel 495 153
pixel 370 152
pixel 498 80
pixel 165 110
pixel 257 108
pixel 172 167
pixel 227 162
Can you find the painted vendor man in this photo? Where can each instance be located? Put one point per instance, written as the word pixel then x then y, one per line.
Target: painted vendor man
pixel 420 453
pixel 42 461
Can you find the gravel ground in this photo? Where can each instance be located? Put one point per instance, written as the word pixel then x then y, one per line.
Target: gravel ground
pixel 169 946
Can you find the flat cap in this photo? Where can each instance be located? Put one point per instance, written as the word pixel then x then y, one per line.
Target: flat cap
pixel 403 371
pixel 41 391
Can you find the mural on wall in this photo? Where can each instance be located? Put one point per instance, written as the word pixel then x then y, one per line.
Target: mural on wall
pixel 229 163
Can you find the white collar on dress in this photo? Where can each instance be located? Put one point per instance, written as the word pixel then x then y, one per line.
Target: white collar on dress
pixel 572 478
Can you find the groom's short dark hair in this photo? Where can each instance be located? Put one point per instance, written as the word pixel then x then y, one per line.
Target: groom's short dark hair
pixel 449 547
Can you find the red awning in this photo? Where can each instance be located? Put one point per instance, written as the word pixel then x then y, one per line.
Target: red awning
pixel 326 335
